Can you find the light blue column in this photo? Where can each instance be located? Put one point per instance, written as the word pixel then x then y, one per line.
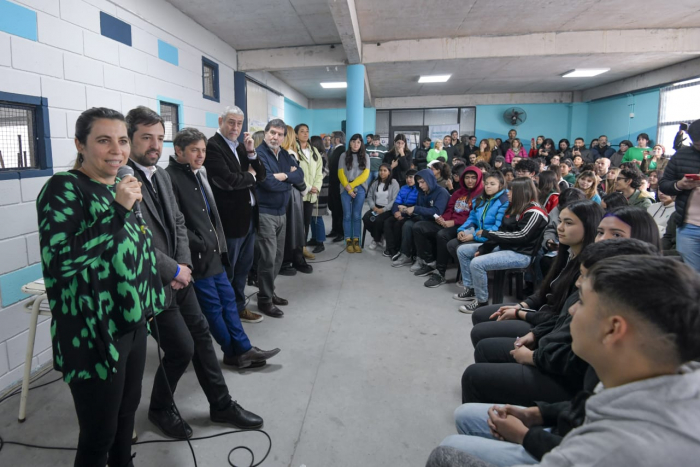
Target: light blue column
pixel 355 100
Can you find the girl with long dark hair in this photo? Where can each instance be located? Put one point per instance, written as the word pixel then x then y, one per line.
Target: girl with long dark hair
pixel 353 173
pixel 629 222
pixel 381 195
pixel 548 186
pixel 399 159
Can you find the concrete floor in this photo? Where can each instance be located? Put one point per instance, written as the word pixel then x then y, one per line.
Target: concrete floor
pixel 369 375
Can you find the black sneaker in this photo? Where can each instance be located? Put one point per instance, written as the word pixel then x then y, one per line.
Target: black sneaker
pixel 466 296
pixel 471 306
pixel 396 256
pixel 387 254
pixel 424 270
pixel 436 280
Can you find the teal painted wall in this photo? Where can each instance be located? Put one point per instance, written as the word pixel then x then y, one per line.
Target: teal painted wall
pixel 611 116
pixel 324 121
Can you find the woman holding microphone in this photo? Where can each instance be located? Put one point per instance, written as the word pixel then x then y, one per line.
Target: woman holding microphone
pixel 102 284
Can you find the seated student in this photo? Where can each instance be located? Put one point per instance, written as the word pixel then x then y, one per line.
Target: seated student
pixel 587 181
pixel 611 178
pixel 662 211
pixel 436 153
pixel 499 163
pixel 549 190
pixel 550 239
pixel 443 174
pixel 394 225
pixel 566 167
pixel 540 365
pixel 432 200
pixel 638 153
pixel 457 171
pixel 644 189
pixel 486 214
pixel 517 240
pixel 485 167
pixel 629 222
pixel 613 200
pixel 530 433
pixel 508 175
pixel 381 195
pixel 431 236
pixel 527 168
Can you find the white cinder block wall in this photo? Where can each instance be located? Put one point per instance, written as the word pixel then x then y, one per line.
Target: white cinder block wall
pixel 76 67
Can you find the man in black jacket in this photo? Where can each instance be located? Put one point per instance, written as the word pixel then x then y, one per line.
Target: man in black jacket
pixel 334 187
pixel 687 192
pixel 208 248
pixel 235 171
pixel 180 330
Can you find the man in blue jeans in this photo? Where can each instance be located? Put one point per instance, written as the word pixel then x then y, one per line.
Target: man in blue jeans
pixel 681 180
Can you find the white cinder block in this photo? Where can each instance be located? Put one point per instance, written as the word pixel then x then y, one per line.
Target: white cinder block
pixel 101 48
pixel 17 346
pixel 82 69
pixel 99 97
pixel 31 188
pixel 19 82
pixel 104 5
pixel 13 254
pixel 33 249
pixel 4 363
pixel 191 61
pixel 195 117
pixel 47 6
pixel 131 101
pixel 11 377
pixel 10 192
pixel 37 58
pixel 63 94
pixel 71 118
pixel 5 50
pixel 45 357
pixel 57 123
pixel 133 59
pixel 225 76
pixel 119 79
pixel 149 87
pixel 23 220
pixel 57 33
pixel 63 152
pixel 82 14
pixel 144 41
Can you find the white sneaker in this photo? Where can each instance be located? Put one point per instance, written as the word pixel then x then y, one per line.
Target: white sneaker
pixel 417 265
pixel 373 245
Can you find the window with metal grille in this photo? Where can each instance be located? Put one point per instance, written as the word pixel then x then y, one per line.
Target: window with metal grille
pixel 210 79
pixel 18 142
pixel 678 104
pixel 169 112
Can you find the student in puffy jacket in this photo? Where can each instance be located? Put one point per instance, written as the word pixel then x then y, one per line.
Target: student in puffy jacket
pixel 517 239
pixel 394 224
pixel 431 237
pixel 432 201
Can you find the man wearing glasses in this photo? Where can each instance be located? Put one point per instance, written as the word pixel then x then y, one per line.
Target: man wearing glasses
pixel 527 168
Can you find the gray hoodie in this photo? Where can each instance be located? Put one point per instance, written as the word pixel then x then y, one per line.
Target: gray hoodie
pixel 648 423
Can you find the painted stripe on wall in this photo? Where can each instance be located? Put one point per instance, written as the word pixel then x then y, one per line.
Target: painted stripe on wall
pixel 167 52
pixel 11 283
pixel 115 29
pixel 17 20
pixel 212 120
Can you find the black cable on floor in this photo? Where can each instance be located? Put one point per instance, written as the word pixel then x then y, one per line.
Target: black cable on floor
pixel 327 260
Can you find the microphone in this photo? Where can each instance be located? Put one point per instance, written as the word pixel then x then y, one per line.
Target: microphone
pixel 123 171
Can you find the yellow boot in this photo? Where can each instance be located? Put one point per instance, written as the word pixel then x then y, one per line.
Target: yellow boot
pixel 356 245
pixel 307 254
pixel 349 247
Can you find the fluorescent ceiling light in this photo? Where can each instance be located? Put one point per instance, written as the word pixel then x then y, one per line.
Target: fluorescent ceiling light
pixel 336 85
pixel 434 79
pixel 585 72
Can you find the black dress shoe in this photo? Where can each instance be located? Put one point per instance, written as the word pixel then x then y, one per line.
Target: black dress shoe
pixel 332 233
pixel 170 423
pixel 319 248
pixel 288 270
pixel 233 361
pixel 270 310
pixel 252 357
pixel 279 300
pixel 312 242
pixel 236 415
pixel 339 238
pixel 304 268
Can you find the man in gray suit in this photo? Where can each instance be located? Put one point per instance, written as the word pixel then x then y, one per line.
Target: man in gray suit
pixel 181 329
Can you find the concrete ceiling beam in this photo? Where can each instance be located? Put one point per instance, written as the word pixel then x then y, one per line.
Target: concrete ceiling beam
pixel 467 100
pixel 345 17
pixel 289 58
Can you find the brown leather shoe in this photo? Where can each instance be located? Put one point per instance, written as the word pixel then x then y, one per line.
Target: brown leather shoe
pixel 248 316
pixel 270 310
pixel 279 301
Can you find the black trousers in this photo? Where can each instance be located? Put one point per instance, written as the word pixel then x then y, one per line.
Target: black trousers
pixel 106 409
pixel 431 242
pixel 308 210
pixel 183 334
pixel 336 208
pixel 376 227
pixel 399 235
pixel 497 378
pixel 485 328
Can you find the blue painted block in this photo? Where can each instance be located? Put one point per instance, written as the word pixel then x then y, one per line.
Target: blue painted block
pixel 167 52
pixel 212 120
pixel 11 283
pixel 17 20
pixel 115 29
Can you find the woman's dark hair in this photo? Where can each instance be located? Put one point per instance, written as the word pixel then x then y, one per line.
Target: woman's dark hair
pixel 547 184
pixel 296 132
pixel 361 162
pixel 632 174
pixel 483 198
pixel 569 196
pixel 615 247
pixel 550 141
pixel 389 178
pixel 524 192
pixel 627 142
pixel 317 142
pixel 483 166
pixel 642 225
pixel 568 145
pixel 443 168
pixel 507 170
pixel 141 115
pixel 563 274
pixel 592 141
pixel 614 200
pixel 84 123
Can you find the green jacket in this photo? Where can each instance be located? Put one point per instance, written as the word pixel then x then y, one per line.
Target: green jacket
pixel 637 200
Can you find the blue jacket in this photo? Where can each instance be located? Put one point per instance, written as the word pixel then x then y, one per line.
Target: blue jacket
pixel 487 215
pixel 273 195
pixel 408 195
pixel 433 202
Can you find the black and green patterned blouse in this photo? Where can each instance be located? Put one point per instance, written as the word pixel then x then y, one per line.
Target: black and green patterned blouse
pixel 100 273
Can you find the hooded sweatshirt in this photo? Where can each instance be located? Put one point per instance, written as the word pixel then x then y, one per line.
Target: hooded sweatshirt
pixel 646 423
pixel 434 201
pixel 661 214
pixel 487 215
pixel 460 204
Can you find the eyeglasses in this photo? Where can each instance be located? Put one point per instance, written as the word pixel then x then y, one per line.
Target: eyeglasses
pixel 621 179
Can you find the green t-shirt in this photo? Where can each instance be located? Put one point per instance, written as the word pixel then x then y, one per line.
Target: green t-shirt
pixel 376 155
pixel 634 154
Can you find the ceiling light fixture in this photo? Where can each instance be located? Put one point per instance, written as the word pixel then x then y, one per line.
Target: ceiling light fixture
pixel 336 85
pixel 434 79
pixel 585 72
pixel 694 80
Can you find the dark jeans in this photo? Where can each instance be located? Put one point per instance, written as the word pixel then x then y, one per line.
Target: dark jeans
pixel 502 380
pixel 375 227
pixel 452 246
pixel 183 334
pixel 106 409
pixel 485 328
pixel 399 233
pixel 241 252
pixel 218 303
pixel 431 243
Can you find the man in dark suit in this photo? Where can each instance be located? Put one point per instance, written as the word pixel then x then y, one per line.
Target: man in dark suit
pixel 235 170
pixel 181 330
